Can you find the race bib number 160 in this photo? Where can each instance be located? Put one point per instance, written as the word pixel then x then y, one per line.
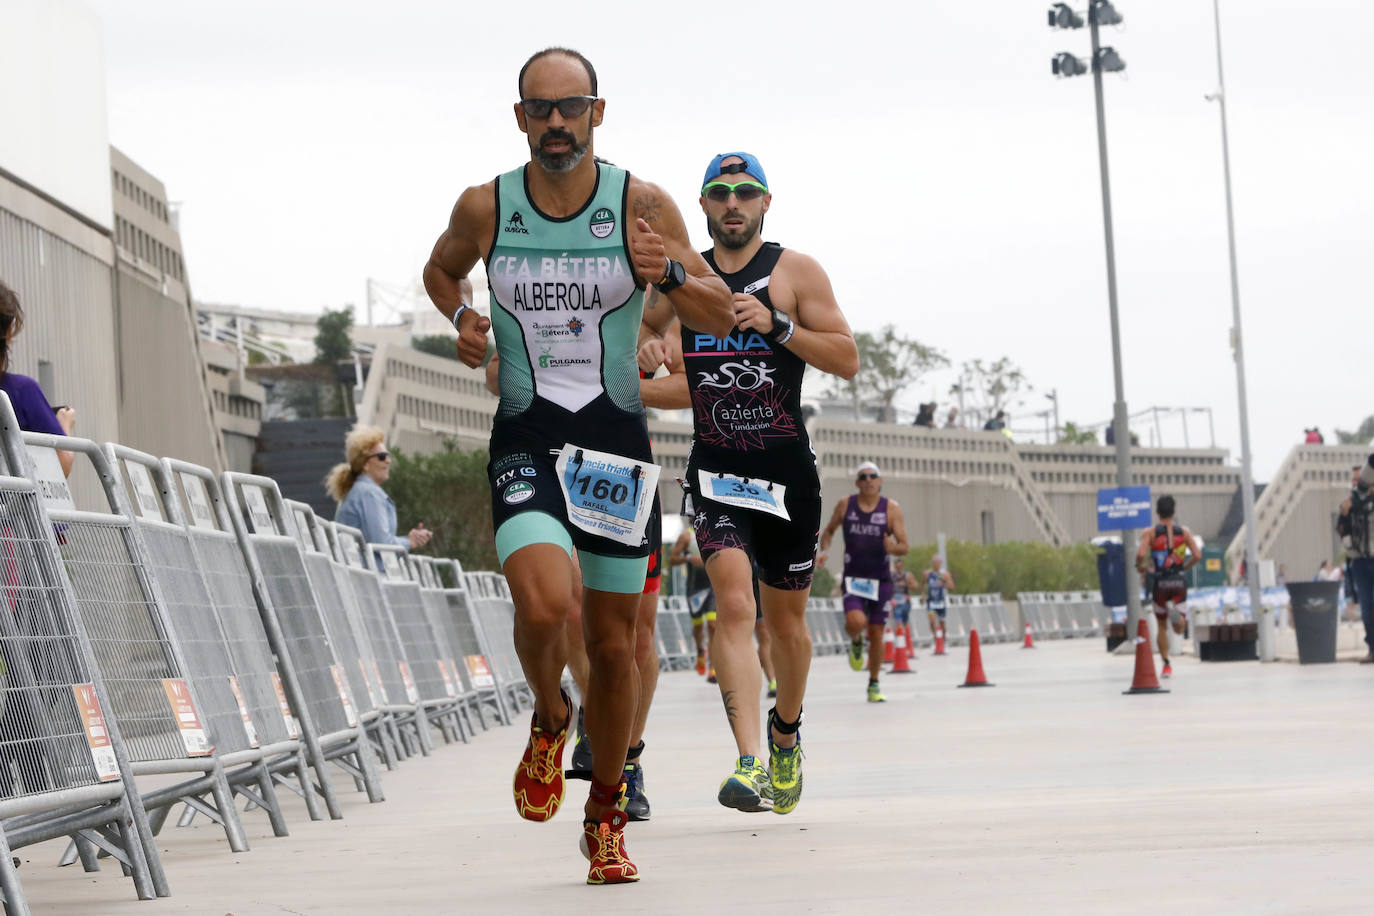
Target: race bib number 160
pixel 607 495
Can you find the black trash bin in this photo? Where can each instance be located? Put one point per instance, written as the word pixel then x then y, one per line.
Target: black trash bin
pixel 1314 619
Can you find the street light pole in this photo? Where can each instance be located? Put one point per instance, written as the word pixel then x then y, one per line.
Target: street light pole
pixel 1122 428
pixel 1262 616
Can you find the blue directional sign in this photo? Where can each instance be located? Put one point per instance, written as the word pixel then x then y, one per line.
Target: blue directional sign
pixel 1123 508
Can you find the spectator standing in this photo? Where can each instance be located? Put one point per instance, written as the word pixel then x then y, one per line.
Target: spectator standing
pixel 31 406
pixel 952 420
pixel 1355 525
pixel 997 422
pixel 357 487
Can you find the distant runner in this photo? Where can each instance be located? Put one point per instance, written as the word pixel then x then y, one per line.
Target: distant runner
pixel 939 583
pixel 1165 553
pixel 873 530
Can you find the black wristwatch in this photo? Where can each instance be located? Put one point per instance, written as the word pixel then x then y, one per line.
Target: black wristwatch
pixel 674 276
pixel 783 327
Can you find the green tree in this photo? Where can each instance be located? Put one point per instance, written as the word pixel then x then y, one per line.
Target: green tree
pixel 990 387
pixel 1361 436
pixel 1072 435
pixel 889 364
pixel 436 345
pixel 448 493
pixel 824 584
pixel 1012 566
pixel 333 344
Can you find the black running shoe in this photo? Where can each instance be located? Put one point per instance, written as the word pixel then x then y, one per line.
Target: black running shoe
pixel 636 802
pixel 580 767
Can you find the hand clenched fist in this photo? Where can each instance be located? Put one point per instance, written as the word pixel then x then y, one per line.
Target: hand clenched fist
pixel 472 338
pixel 751 314
pixel 647 252
pixel 652 354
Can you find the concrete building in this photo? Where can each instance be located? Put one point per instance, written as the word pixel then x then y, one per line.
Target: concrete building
pixel 969 485
pixel 88 242
pixel 1295 516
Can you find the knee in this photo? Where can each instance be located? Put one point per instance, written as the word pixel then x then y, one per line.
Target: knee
pixel 646 652
pixel 735 609
pixel 609 652
pixel 543 613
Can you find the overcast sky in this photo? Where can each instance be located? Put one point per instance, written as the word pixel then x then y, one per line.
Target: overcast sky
pixel 925 155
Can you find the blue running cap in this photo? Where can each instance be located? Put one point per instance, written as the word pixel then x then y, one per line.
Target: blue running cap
pixel 750 165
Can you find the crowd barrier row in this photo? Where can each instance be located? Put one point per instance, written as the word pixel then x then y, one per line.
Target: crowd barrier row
pixel 200 627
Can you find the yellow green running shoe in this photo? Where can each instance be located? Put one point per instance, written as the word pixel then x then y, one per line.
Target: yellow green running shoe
pixel 748 788
pixel 875 693
pixel 856 653
pixel 785 772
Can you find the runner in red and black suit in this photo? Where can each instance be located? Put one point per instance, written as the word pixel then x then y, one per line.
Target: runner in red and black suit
pixel 1165 553
pixel 752 473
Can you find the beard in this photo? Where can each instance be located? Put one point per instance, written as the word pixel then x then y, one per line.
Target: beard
pixel 733 238
pixel 560 162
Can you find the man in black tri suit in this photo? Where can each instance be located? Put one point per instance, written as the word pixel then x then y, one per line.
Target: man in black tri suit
pixel 569 245
pixel 752 472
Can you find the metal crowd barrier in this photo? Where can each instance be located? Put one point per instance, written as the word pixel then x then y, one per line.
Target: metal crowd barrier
pixel 1063 615
pixel 197 500
pixel 496 615
pixel 315 685
pixel 676 650
pixel 338 605
pixel 392 668
pixel 469 640
pixel 155 696
pixel 64 766
pixel 146 498
pixel 444 623
pixel 438 693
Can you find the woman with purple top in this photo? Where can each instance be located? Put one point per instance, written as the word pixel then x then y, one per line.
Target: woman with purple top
pixel 873 529
pixel 31 407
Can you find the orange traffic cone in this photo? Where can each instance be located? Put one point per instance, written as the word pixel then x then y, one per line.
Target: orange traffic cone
pixel 1144 680
pixel 887 645
pixel 900 663
pixel 910 643
pixel 1030 642
pixel 975 676
pixel 939 640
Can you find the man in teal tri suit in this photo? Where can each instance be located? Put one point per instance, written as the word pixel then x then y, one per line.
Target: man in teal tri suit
pixel 569 245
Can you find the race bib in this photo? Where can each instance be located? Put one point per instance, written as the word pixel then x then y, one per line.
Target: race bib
pixel 861 588
pixel 744 493
pixel 607 495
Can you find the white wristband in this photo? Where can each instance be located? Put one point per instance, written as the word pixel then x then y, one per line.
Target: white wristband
pixel 459 314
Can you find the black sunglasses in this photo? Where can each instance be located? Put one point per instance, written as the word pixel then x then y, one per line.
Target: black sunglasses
pixel 571 106
pixel 869 477
pixel 381 456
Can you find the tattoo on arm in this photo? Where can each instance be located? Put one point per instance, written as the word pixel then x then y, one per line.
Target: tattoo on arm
pixel 731 710
pixel 648 207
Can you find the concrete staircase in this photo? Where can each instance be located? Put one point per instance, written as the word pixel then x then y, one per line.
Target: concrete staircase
pixel 298 453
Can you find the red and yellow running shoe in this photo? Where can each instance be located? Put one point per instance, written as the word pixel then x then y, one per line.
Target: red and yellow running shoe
pixel 538 785
pixel 701 663
pixel 603 843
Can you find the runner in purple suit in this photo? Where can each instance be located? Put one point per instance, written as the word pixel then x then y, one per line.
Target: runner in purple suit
pixel 873 529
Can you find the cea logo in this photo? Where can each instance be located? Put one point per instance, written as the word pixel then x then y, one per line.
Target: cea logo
pixel 518 492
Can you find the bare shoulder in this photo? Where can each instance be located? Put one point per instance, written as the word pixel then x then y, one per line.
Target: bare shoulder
pixel 794 263
pixel 476 204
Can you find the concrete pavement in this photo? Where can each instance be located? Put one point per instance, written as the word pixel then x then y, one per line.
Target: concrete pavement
pixel 1245 790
